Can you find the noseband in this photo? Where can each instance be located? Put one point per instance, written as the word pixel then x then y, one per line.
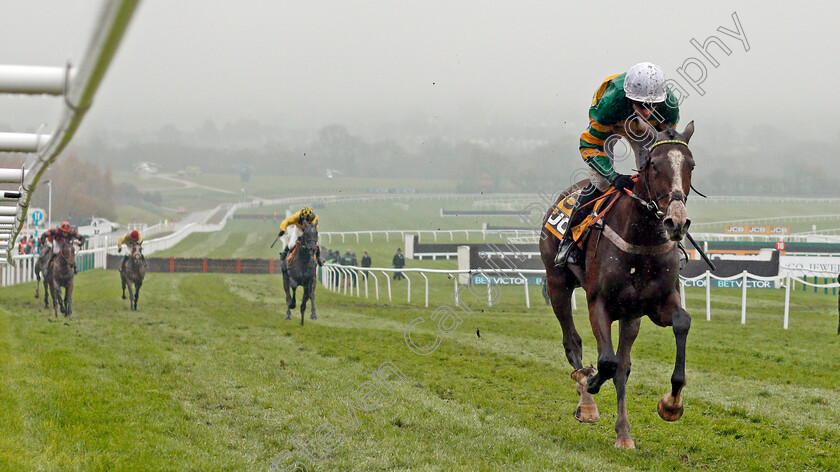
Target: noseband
pixel 651 204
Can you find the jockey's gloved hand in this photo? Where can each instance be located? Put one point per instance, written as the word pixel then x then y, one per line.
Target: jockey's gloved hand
pixel 281 233
pixel 119 249
pixel 622 182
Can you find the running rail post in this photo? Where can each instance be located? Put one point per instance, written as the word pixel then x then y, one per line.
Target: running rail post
pixel 787 301
pixel 427 288
pixel 744 299
pixel 527 295
pixel 366 283
pixel 708 296
pixel 387 279
pixel 375 283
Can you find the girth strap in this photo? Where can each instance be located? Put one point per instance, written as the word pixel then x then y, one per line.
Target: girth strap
pixel 634 249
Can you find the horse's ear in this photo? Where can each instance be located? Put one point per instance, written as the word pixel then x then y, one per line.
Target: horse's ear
pixel 688 131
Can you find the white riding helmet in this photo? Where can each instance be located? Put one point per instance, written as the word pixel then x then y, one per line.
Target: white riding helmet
pixel 645 82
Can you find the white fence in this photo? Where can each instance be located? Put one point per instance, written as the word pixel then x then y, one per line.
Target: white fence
pixel 77 85
pixel 338 278
pixel 344 279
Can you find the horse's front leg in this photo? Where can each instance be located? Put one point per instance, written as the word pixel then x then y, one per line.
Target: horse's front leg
pixel 122 279
pixel 628 330
pixel 670 407
pixel 37 285
pixel 607 361
pixel 290 301
pixel 68 299
pixel 46 293
pixel 137 286
pixel 312 315
pixel 58 303
pixel 303 299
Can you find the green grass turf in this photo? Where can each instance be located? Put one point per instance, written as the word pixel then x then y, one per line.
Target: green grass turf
pixel 207 376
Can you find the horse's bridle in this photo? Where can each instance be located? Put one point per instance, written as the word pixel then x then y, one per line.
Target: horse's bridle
pixel 651 205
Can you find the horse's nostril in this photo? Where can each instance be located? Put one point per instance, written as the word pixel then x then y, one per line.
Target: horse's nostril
pixel 669 224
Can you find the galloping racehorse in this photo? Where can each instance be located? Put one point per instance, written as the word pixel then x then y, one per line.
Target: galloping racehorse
pixel 631 270
pixel 61 274
pixel 133 274
pixel 301 272
pixel 44 251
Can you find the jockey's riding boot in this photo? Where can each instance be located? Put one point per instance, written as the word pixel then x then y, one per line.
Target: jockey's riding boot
pixel 564 253
pixel 568 251
pixel 284 254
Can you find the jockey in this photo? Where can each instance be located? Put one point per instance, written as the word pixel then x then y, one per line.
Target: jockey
pixel 129 240
pixel 64 233
pixel 295 225
pixel 640 93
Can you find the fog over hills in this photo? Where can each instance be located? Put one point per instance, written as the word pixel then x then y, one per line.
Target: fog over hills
pixel 438 88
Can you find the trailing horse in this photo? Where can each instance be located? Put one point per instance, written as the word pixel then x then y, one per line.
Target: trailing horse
pixel 631 270
pixel 61 274
pixel 133 274
pixel 301 272
pixel 40 268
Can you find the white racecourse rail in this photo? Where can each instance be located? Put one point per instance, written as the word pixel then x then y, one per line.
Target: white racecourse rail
pixel 338 278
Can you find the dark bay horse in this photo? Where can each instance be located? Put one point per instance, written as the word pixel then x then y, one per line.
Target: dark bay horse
pixel 40 268
pixel 302 272
pixel 61 273
pixel 631 270
pixel 133 274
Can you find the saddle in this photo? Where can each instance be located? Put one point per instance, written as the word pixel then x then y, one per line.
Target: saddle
pixel 558 222
pixel 292 254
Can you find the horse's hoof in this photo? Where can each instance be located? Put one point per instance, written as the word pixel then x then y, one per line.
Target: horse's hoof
pixel 669 408
pixel 587 414
pixel 313 316
pixel 625 443
pixel 288 317
pixel 123 297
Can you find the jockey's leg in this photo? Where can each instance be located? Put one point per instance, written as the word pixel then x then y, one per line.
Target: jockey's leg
pixel 567 252
pixel 318 256
pixel 294 234
pixel 122 264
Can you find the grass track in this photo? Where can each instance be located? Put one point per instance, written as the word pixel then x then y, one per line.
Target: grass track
pixel 207 376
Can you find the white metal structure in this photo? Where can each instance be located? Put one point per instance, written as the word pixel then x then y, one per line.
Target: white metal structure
pixel 338 278
pixel 78 85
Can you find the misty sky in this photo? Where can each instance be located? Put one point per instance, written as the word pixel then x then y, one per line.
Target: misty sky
pixel 311 63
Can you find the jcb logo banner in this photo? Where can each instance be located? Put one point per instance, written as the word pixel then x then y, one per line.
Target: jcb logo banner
pixel 771 230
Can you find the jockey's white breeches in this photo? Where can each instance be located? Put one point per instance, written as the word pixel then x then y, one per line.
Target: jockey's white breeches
pixel 57 245
pixel 294 233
